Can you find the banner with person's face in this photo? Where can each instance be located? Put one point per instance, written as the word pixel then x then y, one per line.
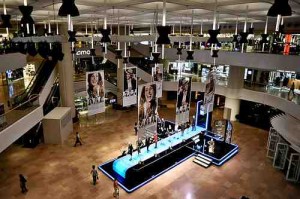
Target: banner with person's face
pixel 158 78
pixel 183 100
pixel 95 92
pixel 209 92
pixel 147 108
pixel 130 87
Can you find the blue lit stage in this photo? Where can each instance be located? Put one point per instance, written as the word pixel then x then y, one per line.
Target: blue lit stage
pixel 133 174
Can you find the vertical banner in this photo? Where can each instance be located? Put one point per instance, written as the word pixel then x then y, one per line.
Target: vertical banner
pixel 147 111
pixel 158 78
pixel 183 100
pixel 130 87
pixel 95 92
pixel 209 92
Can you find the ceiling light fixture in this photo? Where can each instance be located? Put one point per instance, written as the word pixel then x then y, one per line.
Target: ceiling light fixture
pixel 26 19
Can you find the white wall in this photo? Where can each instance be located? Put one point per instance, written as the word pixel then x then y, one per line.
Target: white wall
pixel 245 94
pixel 249 60
pixel 12 61
pixel 19 128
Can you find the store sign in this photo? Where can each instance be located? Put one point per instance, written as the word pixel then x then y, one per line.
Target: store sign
pixel 83 53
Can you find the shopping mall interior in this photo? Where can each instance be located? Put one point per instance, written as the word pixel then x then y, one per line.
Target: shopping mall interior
pixel 150 99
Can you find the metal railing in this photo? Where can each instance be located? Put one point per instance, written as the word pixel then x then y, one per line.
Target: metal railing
pixel 18 112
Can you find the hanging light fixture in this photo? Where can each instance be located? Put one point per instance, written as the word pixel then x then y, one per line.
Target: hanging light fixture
pixel 26 19
pixel 163 30
pixel 201 29
pixel 244 34
pixel 56 51
pixel 5 18
pixel 190 52
pixel 69 9
pixel 31 49
pixel 280 7
pixel 44 49
pixel 105 31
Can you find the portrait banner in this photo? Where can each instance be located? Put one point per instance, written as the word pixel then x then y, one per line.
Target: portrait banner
pixel 209 92
pixel 147 111
pixel 158 78
pixel 183 100
pixel 95 92
pixel 130 87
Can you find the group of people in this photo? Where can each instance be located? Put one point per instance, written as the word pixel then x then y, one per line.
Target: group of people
pixel 140 143
pixel 95 177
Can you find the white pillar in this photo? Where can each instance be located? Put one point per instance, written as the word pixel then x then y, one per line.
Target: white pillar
pixel 232 101
pixel 66 72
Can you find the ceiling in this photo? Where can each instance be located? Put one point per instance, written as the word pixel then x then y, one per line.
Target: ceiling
pixel 141 12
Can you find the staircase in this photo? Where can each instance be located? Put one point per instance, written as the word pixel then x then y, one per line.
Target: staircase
pixel 202 161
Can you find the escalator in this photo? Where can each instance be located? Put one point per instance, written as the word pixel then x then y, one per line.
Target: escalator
pixel 144 65
pixel 52 100
pixel 33 137
pixel 37 82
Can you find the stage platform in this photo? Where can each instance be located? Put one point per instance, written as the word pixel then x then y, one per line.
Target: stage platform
pixel 133 174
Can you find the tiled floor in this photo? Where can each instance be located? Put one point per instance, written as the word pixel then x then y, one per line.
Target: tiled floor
pixel 64 171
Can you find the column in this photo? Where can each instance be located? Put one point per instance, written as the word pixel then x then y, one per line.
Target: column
pixel 232 101
pixel 120 78
pixel 66 72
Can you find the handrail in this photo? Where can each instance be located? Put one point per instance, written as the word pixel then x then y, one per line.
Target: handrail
pixel 23 103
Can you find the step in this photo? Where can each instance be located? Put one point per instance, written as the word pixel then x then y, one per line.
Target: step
pixel 196 141
pixel 200 163
pixel 202 160
pixel 206 158
pixel 196 137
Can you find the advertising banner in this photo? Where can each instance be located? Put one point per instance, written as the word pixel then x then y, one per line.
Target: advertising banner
pixel 130 87
pixel 183 100
pixel 95 92
pixel 158 78
pixel 147 111
pixel 209 92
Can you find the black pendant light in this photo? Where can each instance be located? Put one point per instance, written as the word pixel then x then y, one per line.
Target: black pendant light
pixel 26 15
pixel 264 38
pixel 125 60
pixel 44 49
pixel 280 7
pixel 93 52
pixel 105 35
pixel 31 49
pixel 213 36
pixel 118 53
pixel 163 32
pixel 72 36
pixel 5 21
pixel 155 56
pixel 215 53
pixel 56 51
pixel 179 51
pixel 190 55
pixel 68 7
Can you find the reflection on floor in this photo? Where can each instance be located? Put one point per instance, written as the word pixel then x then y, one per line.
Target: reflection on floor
pixel 64 171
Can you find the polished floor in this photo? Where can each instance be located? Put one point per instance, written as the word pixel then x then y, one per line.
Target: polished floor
pixel 55 171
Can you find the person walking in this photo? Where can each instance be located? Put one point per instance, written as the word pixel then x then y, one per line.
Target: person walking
pixel 130 150
pixel 23 181
pixel 116 189
pixel 147 143
pixel 194 123
pixel 78 140
pixel 136 128
pixel 155 138
pixel 94 173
